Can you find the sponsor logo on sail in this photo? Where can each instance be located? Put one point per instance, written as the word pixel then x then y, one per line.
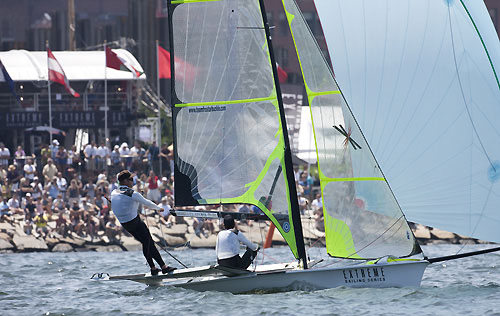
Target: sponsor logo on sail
pixel 286 227
pixel 208 109
pixel 364 275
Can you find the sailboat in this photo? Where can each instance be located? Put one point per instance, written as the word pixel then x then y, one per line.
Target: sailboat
pixel 231 147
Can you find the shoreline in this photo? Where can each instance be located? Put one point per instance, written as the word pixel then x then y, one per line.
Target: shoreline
pixel 13 239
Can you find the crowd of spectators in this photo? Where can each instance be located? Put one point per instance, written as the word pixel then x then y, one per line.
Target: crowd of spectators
pixel 70 187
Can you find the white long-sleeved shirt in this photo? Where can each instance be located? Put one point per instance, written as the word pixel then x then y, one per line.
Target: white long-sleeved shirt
pixel 228 244
pixel 125 207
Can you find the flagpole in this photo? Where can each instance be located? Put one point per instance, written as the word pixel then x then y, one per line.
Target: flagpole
pixel 159 109
pixel 50 97
pixel 106 136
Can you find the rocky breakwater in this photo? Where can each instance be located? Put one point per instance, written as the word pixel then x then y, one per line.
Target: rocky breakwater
pixel 13 237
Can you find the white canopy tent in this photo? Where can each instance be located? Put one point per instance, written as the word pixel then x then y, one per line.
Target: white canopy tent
pixel 23 65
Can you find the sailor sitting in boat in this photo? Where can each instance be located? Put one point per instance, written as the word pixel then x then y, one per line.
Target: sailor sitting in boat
pixel 227 247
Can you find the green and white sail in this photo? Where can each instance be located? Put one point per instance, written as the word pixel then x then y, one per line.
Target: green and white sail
pixel 362 218
pixel 422 79
pixel 228 134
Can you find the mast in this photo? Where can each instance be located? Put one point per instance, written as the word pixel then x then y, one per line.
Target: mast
pixel 294 203
pixel 158 132
pixel 48 87
pixel 173 96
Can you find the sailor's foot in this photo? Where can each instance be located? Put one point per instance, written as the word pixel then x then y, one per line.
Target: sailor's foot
pixel 155 271
pixel 167 269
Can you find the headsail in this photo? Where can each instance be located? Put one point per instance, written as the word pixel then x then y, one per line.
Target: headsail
pixel 422 80
pixel 229 144
pixel 362 217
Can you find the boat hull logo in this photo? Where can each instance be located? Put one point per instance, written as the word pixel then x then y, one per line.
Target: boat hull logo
pixel 364 275
pixel 286 227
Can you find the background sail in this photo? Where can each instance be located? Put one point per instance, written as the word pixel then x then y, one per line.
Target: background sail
pixel 421 78
pixel 362 218
pixel 228 135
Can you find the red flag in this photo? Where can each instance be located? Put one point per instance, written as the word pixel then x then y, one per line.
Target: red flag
pixel 282 75
pixel 163 63
pixel 183 70
pixel 116 62
pixel 56 74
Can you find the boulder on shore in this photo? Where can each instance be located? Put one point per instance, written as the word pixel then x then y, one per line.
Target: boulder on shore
pixel 62 247
pixel 5 245
pixel 130 243
pixel 29 243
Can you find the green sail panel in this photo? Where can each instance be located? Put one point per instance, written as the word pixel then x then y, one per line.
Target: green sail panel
pixel 362 217
pixel 228 135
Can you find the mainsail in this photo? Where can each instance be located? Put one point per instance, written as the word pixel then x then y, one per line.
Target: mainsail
pixel 228 135
pixel 422 79
pixel 362 217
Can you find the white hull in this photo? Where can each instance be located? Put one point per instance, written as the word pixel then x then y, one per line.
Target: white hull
pixel 395 274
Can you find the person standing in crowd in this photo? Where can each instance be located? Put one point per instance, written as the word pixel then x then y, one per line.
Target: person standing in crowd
pixel 29 170
pixel 20 156
pixel 72 157
pixel 102 154
pixel 54 148
pixel 165 164
pixel 74 191
pixel 227 246
pixel 13 177
pixel 89 189
pixel 90 154
pixel 45 153
pixel 153 191
pixel 4 156
pixel 37 188
pixel 125 155
pixel 61 159
pixel 115 157
pixel 52 188
pixel 154 157
pixel 125 203
pixel 49 171
pixel 62 184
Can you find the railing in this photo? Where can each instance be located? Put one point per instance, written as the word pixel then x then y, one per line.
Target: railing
pixel 64 102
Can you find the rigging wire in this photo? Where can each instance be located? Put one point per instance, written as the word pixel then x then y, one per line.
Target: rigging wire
pixel 163 248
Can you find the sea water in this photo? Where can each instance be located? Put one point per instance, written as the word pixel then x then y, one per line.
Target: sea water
pixel 60 284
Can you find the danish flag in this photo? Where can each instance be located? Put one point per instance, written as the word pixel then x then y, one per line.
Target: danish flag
pixel 56 74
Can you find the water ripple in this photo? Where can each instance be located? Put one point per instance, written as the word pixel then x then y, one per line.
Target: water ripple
pixel 59 284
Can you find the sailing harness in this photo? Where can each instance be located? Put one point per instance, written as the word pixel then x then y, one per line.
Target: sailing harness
pixel 128 192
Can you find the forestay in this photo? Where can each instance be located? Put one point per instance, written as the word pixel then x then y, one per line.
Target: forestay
pixel 421 78
pixel 362 217
pixel 228 136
